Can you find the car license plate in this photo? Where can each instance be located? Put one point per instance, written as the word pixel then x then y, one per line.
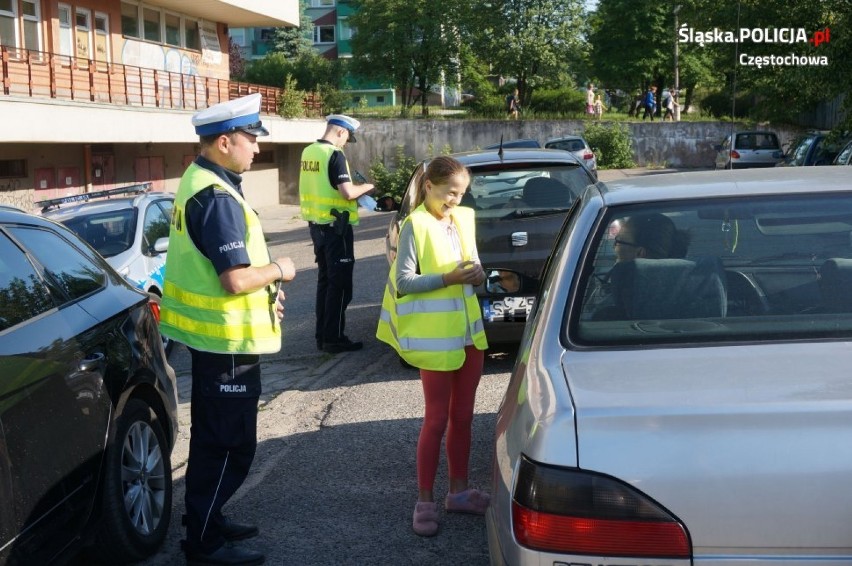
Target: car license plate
pixel 507 309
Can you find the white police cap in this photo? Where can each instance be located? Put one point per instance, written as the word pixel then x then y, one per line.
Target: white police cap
pixel 343 121
pixel 240 114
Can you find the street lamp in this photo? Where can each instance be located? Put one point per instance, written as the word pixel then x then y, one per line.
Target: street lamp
pixel 676 68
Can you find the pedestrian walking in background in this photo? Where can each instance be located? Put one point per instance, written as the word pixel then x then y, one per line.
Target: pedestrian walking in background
pixel 328 201
pixel 437 264
pixel 650 103
pixel 599 107
pixel 590 99
pixel 669 105
pixel 222 299
pixel 513 105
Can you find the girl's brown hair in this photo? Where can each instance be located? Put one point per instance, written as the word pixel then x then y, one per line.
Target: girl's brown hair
pixel 438 172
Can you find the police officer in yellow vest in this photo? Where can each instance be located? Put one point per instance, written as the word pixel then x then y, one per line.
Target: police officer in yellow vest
pixel 329 204
pixel 222 299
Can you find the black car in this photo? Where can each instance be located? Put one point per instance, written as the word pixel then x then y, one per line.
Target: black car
pixel 813 148
pixel 88 403
pixel 521 199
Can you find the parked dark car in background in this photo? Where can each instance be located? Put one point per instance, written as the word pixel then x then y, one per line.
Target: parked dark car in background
pixel 88 403
pixel 521 199
pixel 814 148
pixel 845 155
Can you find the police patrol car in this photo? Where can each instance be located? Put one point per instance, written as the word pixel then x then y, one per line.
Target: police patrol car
pixel 128 226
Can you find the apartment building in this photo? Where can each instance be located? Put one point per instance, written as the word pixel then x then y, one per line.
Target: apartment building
pixel 97 94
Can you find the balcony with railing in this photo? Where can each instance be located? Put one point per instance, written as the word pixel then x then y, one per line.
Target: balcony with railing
pixel 37 74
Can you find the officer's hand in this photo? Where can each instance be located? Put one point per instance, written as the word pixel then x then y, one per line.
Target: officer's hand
pixel 288 268
pixel 279 305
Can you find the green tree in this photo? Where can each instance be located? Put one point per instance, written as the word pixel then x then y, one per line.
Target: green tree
pixel 530 40
pixel 294 41
pixel 411 44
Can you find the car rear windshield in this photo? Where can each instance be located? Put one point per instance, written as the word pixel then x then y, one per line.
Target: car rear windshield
pixel 756 268
pixel 527 190
pixel 566 145
pixel 757 141
pixel 110 233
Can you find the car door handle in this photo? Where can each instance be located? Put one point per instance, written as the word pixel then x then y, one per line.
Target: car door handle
pixel 92 362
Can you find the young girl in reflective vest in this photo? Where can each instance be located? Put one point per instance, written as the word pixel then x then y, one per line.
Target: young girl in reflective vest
pixel 431 316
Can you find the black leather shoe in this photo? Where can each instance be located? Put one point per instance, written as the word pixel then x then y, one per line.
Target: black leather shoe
pixel 235 531
pixel 342 345
pixel 226 556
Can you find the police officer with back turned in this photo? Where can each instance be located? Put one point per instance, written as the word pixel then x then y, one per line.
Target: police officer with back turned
pixel 222 299
pixel 328 201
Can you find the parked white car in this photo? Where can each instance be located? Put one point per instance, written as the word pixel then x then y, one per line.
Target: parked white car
pixel 749 149
pixel 128 226
pixel 682 392
pixel 579 147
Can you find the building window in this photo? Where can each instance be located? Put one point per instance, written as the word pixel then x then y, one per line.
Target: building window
pixel 324 34
pixel 83 25
pixel 8 17
pixel 101 37
pixel 32 18
pixel 13 168
pixel 151 24
pixel 322 3
pixel 346 31
pixel 190 31
pixel 380 99
pixel 130 20
pixel 66 36
pixel 173 29
pixel 238 36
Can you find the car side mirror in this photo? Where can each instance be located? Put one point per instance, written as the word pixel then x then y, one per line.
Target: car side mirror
pixel 502 281
pixel 161 245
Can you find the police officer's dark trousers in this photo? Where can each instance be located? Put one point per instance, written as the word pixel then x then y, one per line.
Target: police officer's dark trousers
pixel 335 257
pixel 223 440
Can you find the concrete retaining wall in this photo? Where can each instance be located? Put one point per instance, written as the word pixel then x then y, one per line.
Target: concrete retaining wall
pixel 672 144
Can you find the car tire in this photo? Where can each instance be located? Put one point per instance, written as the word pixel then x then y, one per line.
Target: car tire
pixel 137 489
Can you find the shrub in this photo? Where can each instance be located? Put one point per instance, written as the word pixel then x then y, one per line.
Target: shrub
pixel 290 101
pixel 393 182
pixel 334 101
pixel 558 101
pixel 718 104
pixel 611 145
pixel 489 105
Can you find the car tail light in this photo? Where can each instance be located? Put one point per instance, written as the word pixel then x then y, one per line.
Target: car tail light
pixel 571 511
pixel 588 155
pixel 155 309
pixel 735 154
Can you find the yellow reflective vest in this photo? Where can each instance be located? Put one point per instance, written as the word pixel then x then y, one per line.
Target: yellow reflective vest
pixel 316 195
pixel 196 310
pixel 428 330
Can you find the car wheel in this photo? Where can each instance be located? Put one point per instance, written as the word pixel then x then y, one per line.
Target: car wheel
pixel 137 491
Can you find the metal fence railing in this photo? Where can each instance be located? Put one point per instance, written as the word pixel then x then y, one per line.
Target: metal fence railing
pixel 49 75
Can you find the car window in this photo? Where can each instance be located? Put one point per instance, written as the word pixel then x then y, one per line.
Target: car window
pixel 801 151
pixel 71 271
pixel 156 225
pixel 567 145
pixel 110 233
pixel 751 269
pixel 22 291
pixel 843 158
pixel 757 141
pixel 527 189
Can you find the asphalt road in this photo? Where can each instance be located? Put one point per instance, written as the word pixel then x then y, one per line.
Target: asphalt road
pixel 334 477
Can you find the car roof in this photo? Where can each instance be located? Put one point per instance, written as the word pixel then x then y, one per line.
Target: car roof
pixel 12 215
pixel 491 157
pixel 104 205
pixel 561 138
pixel 735 183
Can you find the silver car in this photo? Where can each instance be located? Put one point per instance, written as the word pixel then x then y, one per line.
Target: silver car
pixel 749 149
pixel 579 147
pixel 682 392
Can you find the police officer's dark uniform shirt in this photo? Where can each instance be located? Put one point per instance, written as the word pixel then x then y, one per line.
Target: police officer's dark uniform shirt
pixel 216 223
pixel 338 172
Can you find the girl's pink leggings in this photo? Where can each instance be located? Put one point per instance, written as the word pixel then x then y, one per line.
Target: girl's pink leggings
pixel 450 396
